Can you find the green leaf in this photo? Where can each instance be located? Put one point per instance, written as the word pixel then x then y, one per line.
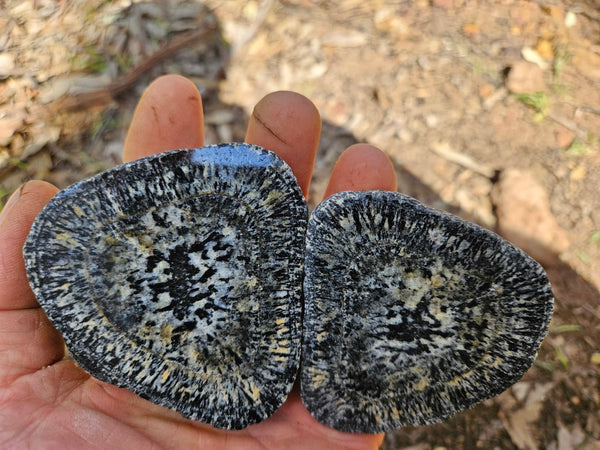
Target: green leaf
pixel 545 366
pixel 584 257
pixel 562 358
pixel 577 148
pixel 566 328
pixel 536 100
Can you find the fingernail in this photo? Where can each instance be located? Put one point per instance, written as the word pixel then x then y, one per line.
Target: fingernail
pixel 12 200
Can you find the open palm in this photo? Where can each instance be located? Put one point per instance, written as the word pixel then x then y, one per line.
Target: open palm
pixel 46 401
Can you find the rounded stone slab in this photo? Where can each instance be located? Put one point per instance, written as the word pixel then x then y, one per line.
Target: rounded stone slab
pixel 179 277
pixel 412 315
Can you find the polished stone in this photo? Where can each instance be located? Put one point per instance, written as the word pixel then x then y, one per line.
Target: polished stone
pixel 179 277
pixel 411 314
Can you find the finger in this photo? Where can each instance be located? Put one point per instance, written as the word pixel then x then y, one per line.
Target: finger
pixel 169 116
pixel 288 124
pixel 362 167
pixel 28 341
pixel 14 226
pixel 275 432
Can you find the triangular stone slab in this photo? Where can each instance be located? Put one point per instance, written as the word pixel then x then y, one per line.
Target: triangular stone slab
pixel 179 277
pixel 412 315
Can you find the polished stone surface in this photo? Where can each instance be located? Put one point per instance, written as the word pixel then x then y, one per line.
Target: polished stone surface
pixel 179 277
pixel 412 315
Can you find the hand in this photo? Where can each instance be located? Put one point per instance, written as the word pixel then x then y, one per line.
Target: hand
pixel 46 401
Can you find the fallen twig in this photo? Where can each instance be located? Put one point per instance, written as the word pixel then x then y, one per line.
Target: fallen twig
pixel 569 124
pixel 125 82
pixel 589 109
pixel 444 150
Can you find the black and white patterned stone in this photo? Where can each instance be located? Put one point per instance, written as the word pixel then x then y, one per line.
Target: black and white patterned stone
pixel 412 315
pixel 179 277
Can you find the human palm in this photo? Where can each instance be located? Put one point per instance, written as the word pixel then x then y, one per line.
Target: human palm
pixel 47 401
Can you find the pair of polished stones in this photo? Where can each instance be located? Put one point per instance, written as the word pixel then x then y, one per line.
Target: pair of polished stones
pixel 198 280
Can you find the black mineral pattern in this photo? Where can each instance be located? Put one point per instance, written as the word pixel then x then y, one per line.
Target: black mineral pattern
pixel 412 315
pixel 179 277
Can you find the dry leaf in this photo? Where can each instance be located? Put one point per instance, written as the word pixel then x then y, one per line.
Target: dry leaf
pixel 532 56
pixel 470 29
pixel 7 64
pixel 544 49
pixel 345 38
pixel 519 424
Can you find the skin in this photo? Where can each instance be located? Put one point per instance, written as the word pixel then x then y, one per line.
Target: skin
pixel 47 401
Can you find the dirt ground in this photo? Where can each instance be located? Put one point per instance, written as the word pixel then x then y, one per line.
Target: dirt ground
pixel 489 110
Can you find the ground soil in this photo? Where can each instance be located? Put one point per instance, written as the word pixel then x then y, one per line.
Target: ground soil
pixel 459 93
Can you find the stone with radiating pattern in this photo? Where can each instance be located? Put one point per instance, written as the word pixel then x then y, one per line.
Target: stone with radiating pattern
pixel 179 277
pixel 412 315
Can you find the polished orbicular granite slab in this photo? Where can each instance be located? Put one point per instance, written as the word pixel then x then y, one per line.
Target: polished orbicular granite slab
pixel 411 314
pixel 179 276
